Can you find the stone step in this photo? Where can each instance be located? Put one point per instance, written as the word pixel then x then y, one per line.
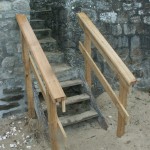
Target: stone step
pixel 71 83
pixel 69 120
pixel 37 24
pixel 48 44
pixel 63 72
pixel 71 100
pixel 41 14
pixel 42 33
pixel 55 57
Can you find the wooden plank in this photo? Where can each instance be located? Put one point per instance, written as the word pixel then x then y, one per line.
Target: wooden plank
pixel 87 45
pixel 52 121
pixel 70 83
pixel 71 100
pixel 106 50
pixel 104 82
pixel 28 78
pixel 123 99
pixel 36 73
pixel 68 120
pixel 77 99
pixel 43 65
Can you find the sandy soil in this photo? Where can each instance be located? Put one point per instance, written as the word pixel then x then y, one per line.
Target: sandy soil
pixel 20 133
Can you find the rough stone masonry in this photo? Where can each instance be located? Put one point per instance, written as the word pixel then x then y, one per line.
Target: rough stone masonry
pixel 124 23
pixel 11 68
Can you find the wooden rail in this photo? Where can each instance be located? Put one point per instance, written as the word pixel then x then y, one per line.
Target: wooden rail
pixel 126 78
pixel 35 60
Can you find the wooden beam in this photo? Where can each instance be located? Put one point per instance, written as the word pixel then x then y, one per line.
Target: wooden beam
pixel 52 121
pixel 123 99
pixel 28 78
pixel 104 82
pixel 37 53
pixel 37 75
pixel 106 50
pixel 87 45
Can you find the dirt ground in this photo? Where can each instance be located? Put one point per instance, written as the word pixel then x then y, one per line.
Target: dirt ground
pixel 20 133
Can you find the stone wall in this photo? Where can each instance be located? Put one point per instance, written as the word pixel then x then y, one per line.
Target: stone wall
pixel 124 23
pixel 11 67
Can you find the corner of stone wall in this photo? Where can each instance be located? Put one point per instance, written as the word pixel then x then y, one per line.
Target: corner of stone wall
pixel 11 66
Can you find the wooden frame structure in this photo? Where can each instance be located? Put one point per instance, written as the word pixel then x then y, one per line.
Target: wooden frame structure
pixel 35 60
pixel 126 78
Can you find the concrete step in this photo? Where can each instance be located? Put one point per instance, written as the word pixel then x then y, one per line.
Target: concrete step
pixel 42 33
pixel 73 119
pixel 37 24
pixel 55 57
pixel 48 44
pixel 41 14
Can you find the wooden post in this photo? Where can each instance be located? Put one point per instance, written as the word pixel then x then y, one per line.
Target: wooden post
pixel 123 93
pixel 28 78
pixel 52 121
pixel 87 45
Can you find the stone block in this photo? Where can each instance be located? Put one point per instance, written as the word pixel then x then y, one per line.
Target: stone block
pixel 135 42
pixel 109 17
pixel 147 20
pixel 103 5
pixel 135 19
pixel 3 36
pixel 145 42
pixel 122 17
pixel 8 62
pixel 129 29
pixel 8 24
pixel 122 42
pixel 9 15
pixel 127 6
pixel 11 48
pixel 137 5
pixel 21 5
pixel 117 30
pixel 5 6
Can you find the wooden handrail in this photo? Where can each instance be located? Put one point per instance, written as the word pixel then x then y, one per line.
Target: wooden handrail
pixel 104 82
pixel 106 50
pixel 126 78
pixel 44 67
pixel 35 60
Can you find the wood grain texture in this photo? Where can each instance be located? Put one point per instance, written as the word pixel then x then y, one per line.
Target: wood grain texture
pixel 28 79
pixel 123 99
pixel 106 50
pixel 40 59
pixel 87 45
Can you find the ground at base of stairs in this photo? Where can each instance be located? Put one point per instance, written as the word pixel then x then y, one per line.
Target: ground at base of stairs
pixel 17 132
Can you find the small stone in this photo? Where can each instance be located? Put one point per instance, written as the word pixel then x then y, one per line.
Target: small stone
pixel 5 6
pixel 8 62
pixel 28 147
pixel 13 145
pixel 127 6
pixel 147 20
pixel 129 29
pixel 109 17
